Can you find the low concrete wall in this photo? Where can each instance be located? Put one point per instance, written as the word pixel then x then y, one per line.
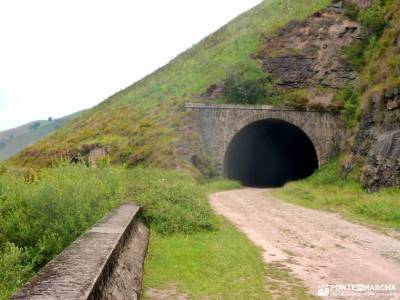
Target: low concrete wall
pixel 106 262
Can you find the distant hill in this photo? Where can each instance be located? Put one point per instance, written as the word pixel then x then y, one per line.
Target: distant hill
pixel 16 139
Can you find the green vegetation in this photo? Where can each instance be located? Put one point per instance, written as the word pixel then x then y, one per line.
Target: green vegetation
pixel 382 72
pixel 297 98
pixel 44 210
pixel 143 123
pixel 356 54
pixel 190 248
pixel 246 83
pixel 376 58
pixel 39 219
pixel 222 264
pixel 374 17
pixel 41 212
pixel 219 265
pixel 328 191
pixel 218 185
pixel 348 98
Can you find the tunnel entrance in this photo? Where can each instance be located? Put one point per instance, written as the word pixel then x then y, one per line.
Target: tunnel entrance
pixel 269 153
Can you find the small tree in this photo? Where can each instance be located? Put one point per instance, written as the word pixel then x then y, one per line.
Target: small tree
pixel 245 83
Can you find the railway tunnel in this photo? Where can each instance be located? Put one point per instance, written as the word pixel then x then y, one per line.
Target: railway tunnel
pixel 269 153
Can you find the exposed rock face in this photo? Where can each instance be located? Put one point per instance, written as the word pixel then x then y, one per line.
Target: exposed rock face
pixel 375 153
pixel 213 92
pixel 310 53
pixel 377 142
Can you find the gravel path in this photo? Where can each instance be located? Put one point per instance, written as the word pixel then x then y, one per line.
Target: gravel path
pixel 318 247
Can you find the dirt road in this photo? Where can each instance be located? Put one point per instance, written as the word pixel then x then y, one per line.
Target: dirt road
pixel 318 247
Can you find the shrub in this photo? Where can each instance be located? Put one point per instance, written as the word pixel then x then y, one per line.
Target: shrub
pixel 297 99
pixel 373 17
pixel 246 83
pixel 355 53
pixel 14 271
pixel 351 10
pixel 40 218
pixel 348 97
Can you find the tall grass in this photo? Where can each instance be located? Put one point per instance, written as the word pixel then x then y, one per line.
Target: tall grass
pixel 38 220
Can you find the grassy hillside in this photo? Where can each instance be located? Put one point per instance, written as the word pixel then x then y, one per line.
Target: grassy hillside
pixel 143 123
pixel 14 140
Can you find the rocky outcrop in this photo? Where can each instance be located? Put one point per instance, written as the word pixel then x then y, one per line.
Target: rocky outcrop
pixel 377 142
pixel 310 53
pixel 375 153
pixel 214 91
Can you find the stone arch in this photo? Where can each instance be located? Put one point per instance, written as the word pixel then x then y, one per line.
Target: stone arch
pixel 269 152
pixel 217 124
pixel 277 115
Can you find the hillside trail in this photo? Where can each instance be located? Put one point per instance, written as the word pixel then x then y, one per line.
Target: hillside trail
pixel 317 247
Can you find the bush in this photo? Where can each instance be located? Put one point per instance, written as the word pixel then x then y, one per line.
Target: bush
pixel 351 10
pixel 348 97
pixel 297 99
pixel 40 218
pixel 374 17
pixel 14 270
pixel 245 83
pixel 355 53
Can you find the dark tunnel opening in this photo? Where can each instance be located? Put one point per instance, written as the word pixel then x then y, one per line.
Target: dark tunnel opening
pixel 269 153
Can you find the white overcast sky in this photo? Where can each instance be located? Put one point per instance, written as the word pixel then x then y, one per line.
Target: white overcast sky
pixel 61 56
